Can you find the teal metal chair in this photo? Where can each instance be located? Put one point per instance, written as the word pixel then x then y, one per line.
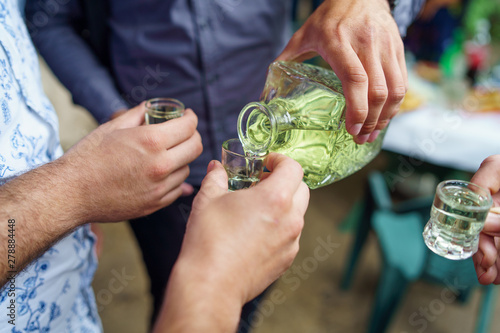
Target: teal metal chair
pixel 406 258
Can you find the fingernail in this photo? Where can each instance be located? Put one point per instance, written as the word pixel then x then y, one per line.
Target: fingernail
pixel 373 136
pixel 362 138
pixel 355 129
pixel 211 166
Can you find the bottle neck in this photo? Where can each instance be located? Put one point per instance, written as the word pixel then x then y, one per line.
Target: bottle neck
pixel 259 124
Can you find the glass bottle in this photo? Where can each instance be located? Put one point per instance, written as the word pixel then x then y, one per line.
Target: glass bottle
pixel 301 115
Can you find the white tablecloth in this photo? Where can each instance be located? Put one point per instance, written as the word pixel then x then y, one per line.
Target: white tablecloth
pixel 450 138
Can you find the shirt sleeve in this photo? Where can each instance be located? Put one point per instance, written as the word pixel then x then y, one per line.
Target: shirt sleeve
pixel 405 12
pixel 52 28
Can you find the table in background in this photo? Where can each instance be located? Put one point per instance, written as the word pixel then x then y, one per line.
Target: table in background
pixel 450 138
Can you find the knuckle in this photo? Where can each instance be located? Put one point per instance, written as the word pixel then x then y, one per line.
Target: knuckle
pixel 368 126
pixel 367 35
pixel 297 169
pixel 192 123
pixel 382 124
pixel 150 141
pixel 154 172
pixel 296 225
pixel 199 144
pixel 394 112
pixel 188 123
pixel 359 114
pixel 356 76
pixel 378 94
pixel 397 94
pixel 280 200
pixel 159 170
pixel 340 31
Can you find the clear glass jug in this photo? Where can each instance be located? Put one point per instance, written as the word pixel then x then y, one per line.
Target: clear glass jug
pixel 301 115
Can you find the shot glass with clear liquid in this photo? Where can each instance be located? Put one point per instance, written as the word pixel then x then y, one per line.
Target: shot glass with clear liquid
pixel 159 110
pixel 243 170
pixel 457 217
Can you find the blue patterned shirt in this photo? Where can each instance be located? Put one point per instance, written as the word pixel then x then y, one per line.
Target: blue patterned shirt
pixel 54 293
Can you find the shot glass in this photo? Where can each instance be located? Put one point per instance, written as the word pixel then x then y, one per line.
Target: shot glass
pixel 457 217
pixel 243 171
pixel 159 110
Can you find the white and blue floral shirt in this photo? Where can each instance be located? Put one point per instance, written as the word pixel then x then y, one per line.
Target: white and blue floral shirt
pixel 54 293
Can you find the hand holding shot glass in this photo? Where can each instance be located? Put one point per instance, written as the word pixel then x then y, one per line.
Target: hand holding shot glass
pixel 243 170
pixel 457 217
pixel 159 110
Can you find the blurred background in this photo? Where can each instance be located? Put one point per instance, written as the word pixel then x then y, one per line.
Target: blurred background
pixel 354 274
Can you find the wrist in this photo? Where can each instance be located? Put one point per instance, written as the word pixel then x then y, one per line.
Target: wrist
pixel 197 299
pixel 57 198
pixel 41 205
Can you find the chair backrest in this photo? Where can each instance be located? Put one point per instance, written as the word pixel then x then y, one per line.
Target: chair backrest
pixel 379 192
pixel 398 236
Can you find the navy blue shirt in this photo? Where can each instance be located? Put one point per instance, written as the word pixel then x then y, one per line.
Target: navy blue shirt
pixel 210 54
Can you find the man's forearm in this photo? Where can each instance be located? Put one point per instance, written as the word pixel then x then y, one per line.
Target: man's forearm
pixel 36 209
pixel 196 303
pixel 90 83
pixel 72 60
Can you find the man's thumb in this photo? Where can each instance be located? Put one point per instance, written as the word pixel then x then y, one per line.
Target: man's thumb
pixel 214 185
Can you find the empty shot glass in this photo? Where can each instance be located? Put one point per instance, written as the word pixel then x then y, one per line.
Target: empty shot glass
pixel 159 110
pixel 457 217
pixel 243 171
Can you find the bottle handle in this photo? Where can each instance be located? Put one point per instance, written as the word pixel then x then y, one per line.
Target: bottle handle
pixel 257 128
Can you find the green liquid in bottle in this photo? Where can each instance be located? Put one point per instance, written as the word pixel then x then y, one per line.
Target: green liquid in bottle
pixel 304 119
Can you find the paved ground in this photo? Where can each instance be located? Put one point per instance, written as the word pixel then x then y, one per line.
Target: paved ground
pixel 306 300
